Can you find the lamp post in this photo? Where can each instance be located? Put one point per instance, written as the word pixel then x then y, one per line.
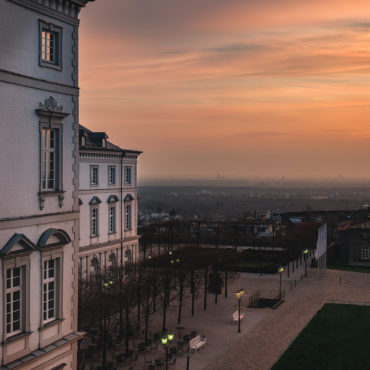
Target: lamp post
pixel 239 295
pixel 280 270
pixel 166 342
pixel 305 254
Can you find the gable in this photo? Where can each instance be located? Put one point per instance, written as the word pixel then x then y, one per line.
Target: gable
pixel 53 238
pixel 18 243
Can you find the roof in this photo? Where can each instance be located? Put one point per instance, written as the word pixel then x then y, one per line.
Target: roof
pixel 94 141
pixel 362 225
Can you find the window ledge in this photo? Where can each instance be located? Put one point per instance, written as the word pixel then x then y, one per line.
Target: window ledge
pixel 16 337
pixel 54 193
pixel 51 323
pixel 47 64
pixel 51 193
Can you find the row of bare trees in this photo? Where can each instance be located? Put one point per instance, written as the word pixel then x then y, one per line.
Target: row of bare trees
pixel 117 299
pixel 169 235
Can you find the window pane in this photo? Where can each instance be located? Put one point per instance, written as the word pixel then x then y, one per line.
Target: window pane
pixel 16 281
pixel 16 325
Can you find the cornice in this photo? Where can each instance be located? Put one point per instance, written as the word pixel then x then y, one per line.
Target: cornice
pixel 64 10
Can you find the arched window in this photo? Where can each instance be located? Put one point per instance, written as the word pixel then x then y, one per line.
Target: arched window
pixel 94 216
pixel 128 256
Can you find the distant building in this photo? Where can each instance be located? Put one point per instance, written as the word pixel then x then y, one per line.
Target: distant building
pixel 355 244
pixel 39 175
pixel 108 203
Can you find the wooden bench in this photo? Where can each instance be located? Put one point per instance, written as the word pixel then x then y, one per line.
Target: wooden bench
pixel 236 316
pixel 197 343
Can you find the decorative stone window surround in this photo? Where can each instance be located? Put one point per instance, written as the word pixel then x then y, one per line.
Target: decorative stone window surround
pixel 58 32
pixel 51 116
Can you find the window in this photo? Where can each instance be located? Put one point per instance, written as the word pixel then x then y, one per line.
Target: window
pixel 128 256
pixel 364 253
pixel 112 219
pixel 49 291
pixel 128 211
pixel 49 159
pixel 94 221
pixel 50 45
pixel 127 175
pixel 94 175
pixel 14 301
pixel 111 175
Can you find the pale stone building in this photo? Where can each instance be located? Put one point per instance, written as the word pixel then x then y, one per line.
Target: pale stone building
pixel 39 210
pixel 108 204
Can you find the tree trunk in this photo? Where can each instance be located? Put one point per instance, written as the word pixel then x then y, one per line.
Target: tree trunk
pixel 138 304
pixel 226 276
pixel 205 288
pixel 146 321
pixel 192 292
pixel 164 315
pixel 180 296
pixel 127 331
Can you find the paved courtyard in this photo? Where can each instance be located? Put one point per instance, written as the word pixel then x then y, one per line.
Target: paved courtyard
pixel 266 333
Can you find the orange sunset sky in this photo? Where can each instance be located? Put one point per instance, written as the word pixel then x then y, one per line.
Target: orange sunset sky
pixel 240 88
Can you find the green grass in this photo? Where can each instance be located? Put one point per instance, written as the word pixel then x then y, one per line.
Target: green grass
pixel 338 337
pixel 338 266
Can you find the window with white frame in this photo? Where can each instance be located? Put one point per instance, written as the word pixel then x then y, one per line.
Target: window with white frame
pixel 14 300
pixel 112 219
pixel 49 291
pixel 365 253
pixel 94 221
pixel 50 45
pixel 111 175
pixel 49 159
pixel 94 175
pixel 128 178
pixel 128 216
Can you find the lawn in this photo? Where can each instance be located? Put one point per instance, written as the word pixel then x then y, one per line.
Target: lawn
pixel 337 266
pixel 336 338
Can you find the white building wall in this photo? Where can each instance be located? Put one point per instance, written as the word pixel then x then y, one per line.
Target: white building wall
pixel 19 50
pixel 24 84
pixel 123 240
pixel 20 145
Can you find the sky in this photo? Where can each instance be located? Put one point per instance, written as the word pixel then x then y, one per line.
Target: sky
pixel 231 88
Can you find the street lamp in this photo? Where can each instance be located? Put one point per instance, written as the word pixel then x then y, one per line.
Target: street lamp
pixel 239 295
pixel 107 284
pixel 280 270
pixel 305 254
pixel 166 342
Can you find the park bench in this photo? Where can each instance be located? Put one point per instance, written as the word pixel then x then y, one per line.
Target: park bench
pixel 197 343
pixel 236 316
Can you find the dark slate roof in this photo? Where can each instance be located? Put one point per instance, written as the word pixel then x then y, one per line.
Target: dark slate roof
pixel 95 200
pixel 112 199
pixel 94 140
pixel 15 239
